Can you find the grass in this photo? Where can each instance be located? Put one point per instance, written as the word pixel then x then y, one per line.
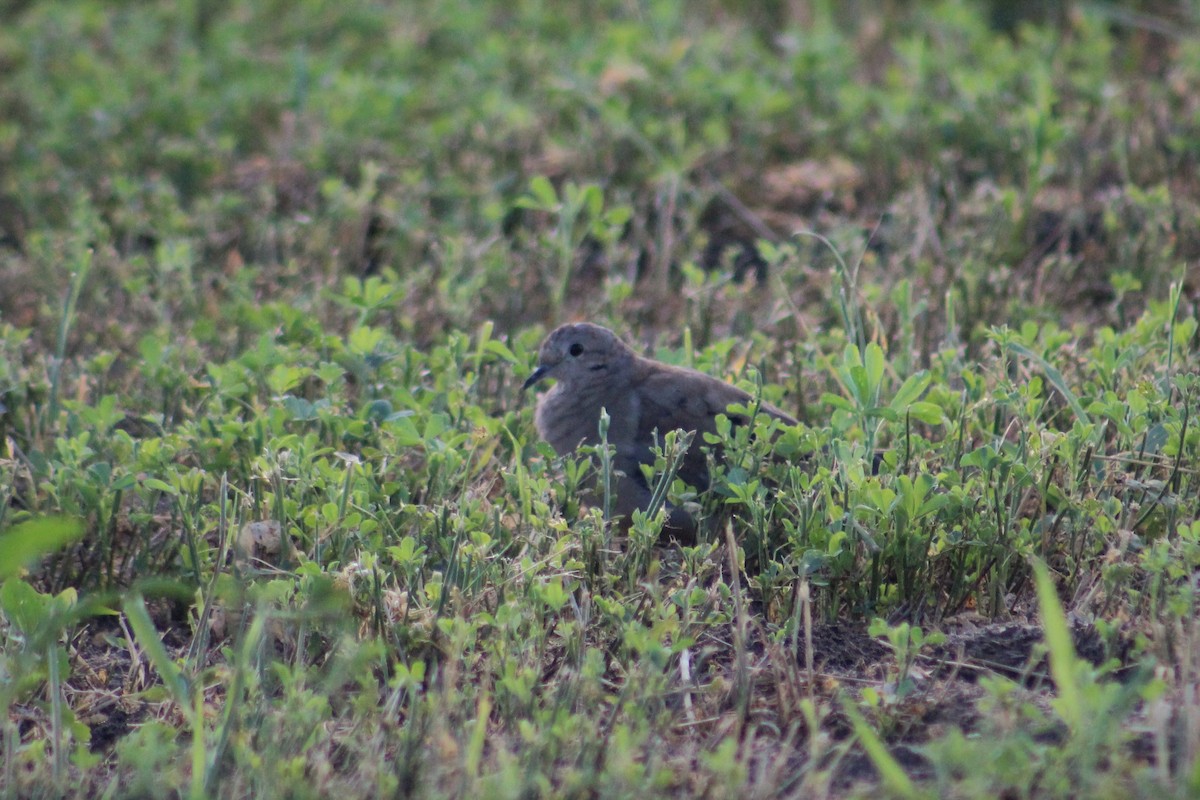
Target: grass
pixel 273 516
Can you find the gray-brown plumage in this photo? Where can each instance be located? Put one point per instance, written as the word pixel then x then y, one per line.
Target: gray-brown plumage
pixel 594 369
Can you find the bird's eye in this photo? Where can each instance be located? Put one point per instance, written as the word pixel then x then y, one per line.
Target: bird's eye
pixel 575 350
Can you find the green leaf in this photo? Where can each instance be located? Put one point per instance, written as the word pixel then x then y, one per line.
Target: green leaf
pixel 890 772
pixel 23 544
pixel 594 201
pixel 911 389
pixel 860 386
pixel 498 348
pixel 882 412
pixel 837 401
pixel 618 215
pixel 124 482
pixel 147 636
pixel 160 486
pixel 1062 651
pixel 983 457
pixel 28 610
pixel 542 191
pixel 874 364
pixel 1054 376
pixel 929 413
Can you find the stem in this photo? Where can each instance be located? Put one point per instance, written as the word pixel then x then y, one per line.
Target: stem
pixel 83 266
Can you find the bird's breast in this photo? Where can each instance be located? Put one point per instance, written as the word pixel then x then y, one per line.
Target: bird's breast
pixel 568 416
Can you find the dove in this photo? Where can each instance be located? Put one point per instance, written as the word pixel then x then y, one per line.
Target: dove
pixel 645 399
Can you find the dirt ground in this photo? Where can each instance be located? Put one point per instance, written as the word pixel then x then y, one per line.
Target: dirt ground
pixel 106 685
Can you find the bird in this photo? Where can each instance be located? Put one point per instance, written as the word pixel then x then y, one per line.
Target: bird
pixel 593 370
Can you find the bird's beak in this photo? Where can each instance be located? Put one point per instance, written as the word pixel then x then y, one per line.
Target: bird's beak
pixel 537 375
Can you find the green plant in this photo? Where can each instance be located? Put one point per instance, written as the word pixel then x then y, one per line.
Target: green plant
pixel 577 213
pixel 906 641
pixel 265 312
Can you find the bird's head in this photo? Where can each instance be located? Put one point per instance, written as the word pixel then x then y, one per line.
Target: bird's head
pixel 580 353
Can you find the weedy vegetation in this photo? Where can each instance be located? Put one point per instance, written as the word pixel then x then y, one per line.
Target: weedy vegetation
pixel 274 521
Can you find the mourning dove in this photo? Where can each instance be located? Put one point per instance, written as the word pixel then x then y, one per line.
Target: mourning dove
pixel 644 398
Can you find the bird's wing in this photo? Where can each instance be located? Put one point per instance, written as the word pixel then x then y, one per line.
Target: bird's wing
pixel 670 398
pixel 675 398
